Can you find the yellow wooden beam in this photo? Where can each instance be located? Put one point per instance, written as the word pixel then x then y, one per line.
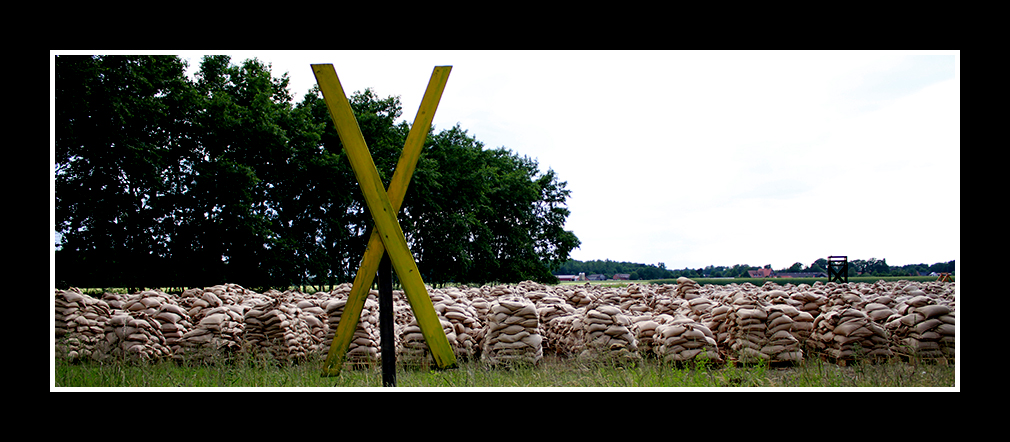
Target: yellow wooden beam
pixel 387 235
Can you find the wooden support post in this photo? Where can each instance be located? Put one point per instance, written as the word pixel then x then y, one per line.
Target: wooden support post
pixel 386 237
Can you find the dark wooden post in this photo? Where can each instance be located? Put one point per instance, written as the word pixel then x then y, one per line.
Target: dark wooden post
pixel 385 278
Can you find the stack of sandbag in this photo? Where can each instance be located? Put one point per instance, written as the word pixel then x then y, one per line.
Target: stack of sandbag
pixel 665 289
pixel 812 301
pixel 148 301
pixel 717 320
pixel 365 347
pixel 923 328
pixel 80 323
pixel 684 340
pixel 580 297
pixel 636 300
pixel 687 288
pixel 700 307
pixel 479 303
pixel 563 334
pixel 314 315
pixel 878 311
pixel 947 333
pixel 531 290
pixel 175 322
pixel 644 328
pixel 552 306
pixel 413 347
pixel 608 296
pixel 229 293
pixel 512 332
pixel 782 324
pixel 280 331
pixel 402 313
pixel 314 304
pixel 134 334
pixel 197 301
pixel 114 300
pixel 747 329
pixel 842 296
pixel 219 332
pixel 497 291
pixel 667 303
pixel 779 296
pixel 465 322
pixel 847 333
pixel 658 294
pixel 803 325
pixel 608 334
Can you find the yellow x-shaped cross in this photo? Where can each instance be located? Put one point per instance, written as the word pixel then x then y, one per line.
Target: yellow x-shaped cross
pixel 386 237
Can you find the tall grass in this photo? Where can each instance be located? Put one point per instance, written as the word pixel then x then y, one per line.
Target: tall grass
pixel 551 373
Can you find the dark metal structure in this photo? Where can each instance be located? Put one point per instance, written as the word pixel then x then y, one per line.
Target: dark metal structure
pixel 838 269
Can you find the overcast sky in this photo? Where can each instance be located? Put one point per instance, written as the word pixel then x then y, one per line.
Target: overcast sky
pixel 695 158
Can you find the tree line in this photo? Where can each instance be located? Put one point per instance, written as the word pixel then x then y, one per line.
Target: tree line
pixel 164 181
pixel 638 271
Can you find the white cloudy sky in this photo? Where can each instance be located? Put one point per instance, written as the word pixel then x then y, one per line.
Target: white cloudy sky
pixel 695 158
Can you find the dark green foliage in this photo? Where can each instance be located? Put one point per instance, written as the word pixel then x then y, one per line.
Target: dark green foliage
pixel 164 181
pixel 610 268
pixel 121 131
pixel 638 271
pixel 485 215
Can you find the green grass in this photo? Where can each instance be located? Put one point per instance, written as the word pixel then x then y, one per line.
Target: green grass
pixel 551 373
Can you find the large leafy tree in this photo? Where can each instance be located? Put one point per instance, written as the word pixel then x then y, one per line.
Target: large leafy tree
pixel 162 180
pixel 122 127
pixel 243 131
pixel 485 215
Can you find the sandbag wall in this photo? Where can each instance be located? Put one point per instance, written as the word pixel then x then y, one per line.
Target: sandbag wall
pixel 521 323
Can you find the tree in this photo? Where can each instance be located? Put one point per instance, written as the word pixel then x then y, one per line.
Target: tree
pixel 482 215
pixel 121 132
pixel 820 265
pixel 943 267
pixel 244 131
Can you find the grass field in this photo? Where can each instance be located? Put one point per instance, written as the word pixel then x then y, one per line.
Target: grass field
pixel 551 373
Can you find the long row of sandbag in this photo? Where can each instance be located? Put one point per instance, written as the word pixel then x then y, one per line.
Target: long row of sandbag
pixel 675 322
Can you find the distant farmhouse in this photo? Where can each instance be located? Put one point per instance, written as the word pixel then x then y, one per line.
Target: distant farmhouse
pixel 800 275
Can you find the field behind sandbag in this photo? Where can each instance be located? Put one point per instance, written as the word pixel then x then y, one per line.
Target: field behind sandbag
pixel 520 324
